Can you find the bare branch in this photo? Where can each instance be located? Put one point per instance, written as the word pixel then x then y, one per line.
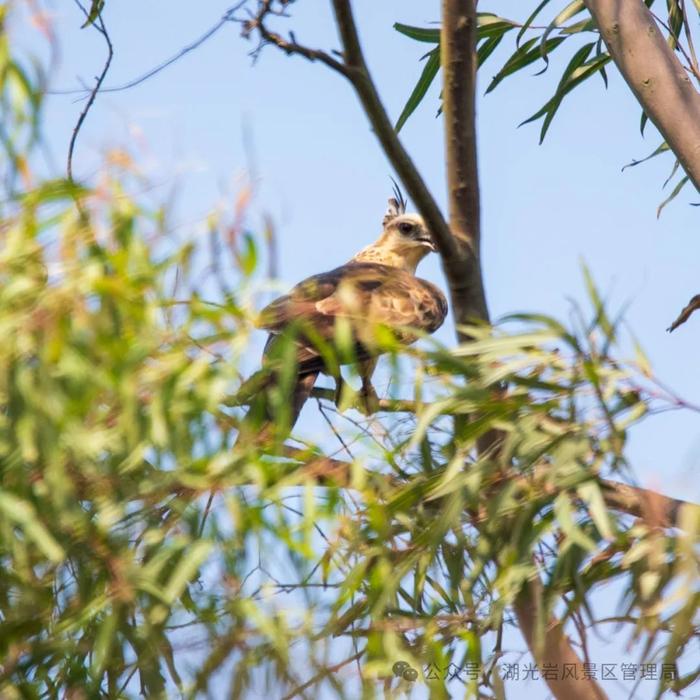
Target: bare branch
pixel 383 405
pixel 642 503
pixel 632 500
pixel 654 74
pixel 323 674
pixel 691 306
pixel 228 16
pixel 289 46
pixel 100 27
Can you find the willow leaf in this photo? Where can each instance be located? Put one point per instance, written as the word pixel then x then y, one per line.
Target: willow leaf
pixel 424 82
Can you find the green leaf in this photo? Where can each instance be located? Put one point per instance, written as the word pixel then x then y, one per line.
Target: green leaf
pixel 643 122
pixel 583 25
pixel 429 36
pixel 674 23
pixel 572 9
pixel 103 643
pixel 575 73
pixel 673 172
pixel 25 517
pixel 566 516
pixel 95 10
pixel 189 564
pixel 658 151
pixel 601 317
pixel 489 24
pixel 430 70
pixel 529 21
pixel 487 47
pixel 681 184
pixel 591 495
pixel 524 55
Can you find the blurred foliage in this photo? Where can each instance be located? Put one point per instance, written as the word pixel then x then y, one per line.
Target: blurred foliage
pixel 550 28
pixel 142 553
pixel 22 81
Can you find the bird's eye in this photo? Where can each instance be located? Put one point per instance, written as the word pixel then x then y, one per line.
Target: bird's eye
pixel 405 227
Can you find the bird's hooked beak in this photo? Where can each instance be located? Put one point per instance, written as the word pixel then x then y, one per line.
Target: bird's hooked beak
pixel 428 243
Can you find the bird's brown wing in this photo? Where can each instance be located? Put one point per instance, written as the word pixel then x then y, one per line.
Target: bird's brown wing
pixel 368 294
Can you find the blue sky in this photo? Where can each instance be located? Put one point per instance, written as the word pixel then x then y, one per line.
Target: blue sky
pixel 198 127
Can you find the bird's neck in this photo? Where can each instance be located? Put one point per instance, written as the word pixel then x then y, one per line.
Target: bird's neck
pixel 404 260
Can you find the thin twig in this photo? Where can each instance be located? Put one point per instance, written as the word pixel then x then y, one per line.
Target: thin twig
pixel 323 674
pixel 100 27
pixel 226 17
pixel 334 429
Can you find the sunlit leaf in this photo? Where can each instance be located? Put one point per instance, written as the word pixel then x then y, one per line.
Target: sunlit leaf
pixel 428 35
pixel 571 10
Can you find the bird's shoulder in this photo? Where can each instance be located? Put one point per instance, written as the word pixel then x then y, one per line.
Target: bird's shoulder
pixel 365 277
pixel 358 288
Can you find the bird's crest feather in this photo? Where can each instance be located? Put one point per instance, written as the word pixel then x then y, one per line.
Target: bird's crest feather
pixel 397 205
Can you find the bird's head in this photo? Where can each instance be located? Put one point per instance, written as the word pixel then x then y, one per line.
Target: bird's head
pixel 405 239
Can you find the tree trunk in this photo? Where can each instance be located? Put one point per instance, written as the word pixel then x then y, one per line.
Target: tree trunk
pixel 654 74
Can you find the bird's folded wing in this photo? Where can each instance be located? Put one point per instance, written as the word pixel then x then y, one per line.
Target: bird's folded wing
pixel 363 292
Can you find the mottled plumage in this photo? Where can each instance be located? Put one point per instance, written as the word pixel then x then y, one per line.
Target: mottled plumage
pixel 365 293
pixel 378 287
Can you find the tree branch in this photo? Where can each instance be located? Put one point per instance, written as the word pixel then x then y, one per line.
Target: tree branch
pixel 652 506
pixel 383 405
pixel 692 306
pixel 654 74
pixel 102 29
pixel 552 645
pixel 459 261
pixel 459 64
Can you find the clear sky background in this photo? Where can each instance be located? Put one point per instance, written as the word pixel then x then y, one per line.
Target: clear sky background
pixel 198 127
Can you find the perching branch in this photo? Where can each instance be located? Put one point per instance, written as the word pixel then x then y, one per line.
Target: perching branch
pixel 654 74
pixel 383 405
pixel 648 505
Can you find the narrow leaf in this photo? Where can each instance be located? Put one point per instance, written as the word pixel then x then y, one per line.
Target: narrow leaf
pixel 643 122
pixel 681 184
pixel 525 55
pixel 572 9
pixel 95 11
pixel 426 78
pixel 24 516
pixel 429 36
pixel 658 151
pixel 530 20
pixel 487 47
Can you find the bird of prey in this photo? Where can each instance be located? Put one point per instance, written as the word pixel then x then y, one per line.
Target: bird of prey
pixel 378 287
